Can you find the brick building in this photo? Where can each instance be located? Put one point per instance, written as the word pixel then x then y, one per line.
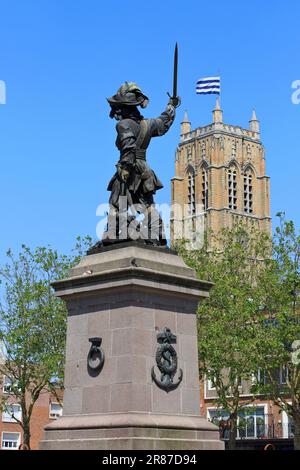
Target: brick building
pixel 46 409
pixel 220 179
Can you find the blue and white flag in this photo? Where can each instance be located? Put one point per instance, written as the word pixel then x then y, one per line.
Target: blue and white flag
pixel 208 85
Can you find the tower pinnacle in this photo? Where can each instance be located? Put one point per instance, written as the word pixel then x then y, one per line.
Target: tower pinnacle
pixel 254 123
pixel 217 112
pixel 185 124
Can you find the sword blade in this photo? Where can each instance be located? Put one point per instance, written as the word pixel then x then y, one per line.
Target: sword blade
pixel 175 71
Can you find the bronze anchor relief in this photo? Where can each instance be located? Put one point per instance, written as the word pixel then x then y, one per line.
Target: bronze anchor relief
pixel 167 362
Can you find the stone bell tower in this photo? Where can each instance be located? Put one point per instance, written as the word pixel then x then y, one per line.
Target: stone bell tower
pixel 220 177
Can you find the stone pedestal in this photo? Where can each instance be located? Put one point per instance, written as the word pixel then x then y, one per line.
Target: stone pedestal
pixel 126 295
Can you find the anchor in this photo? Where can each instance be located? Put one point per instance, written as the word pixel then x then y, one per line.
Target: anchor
pixel 167 362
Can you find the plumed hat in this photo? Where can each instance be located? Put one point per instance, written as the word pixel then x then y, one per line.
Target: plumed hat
pixel 129 94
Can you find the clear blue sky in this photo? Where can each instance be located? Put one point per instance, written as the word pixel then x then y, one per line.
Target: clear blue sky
pixel 60 59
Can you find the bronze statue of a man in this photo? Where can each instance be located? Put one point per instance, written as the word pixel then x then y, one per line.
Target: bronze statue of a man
pixel 134 180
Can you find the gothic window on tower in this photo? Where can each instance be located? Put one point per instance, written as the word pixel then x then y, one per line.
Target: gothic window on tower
pixel 233 150
pixel 204 190
pixel 203 151
pixel 248 193
pixel 232 189
pixel 249 151
pixel 191 192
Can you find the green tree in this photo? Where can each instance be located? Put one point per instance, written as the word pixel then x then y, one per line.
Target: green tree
pixel 280 324
pixel 33 326
pixel 227 327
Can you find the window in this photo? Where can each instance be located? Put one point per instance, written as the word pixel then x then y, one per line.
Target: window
pixel 239 381
pixel 248 193
pixel 218 417
pixel 210 385
pixel 191 192
pixel 233 150
pixel 260 378
pixel 55 410
pixel 251 422
pixel 11 414
pixel 7 385
pixel 232 189
pixel 288 427
pixel 283 375
pixel 203 150
pixel 10 440
pixel 204 190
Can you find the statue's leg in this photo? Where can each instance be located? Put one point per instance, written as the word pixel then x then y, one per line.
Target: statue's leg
pixel 118 214
pixel 162 233
pixel 155 226
pixel 112 230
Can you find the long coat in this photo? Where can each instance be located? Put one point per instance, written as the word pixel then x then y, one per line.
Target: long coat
pixel 134 135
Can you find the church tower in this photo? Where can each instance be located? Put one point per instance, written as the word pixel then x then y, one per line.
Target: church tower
pixel 220 177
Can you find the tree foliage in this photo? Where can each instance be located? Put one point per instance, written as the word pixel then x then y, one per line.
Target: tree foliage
pixel 33 325
pixel 228 333
pixel 250 325
pixel 280 327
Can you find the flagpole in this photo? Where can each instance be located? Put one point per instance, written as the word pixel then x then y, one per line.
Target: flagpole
pixel 219 95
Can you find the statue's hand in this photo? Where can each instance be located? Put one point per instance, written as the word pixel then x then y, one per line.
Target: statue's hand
pixel 123 172
pixel 175 101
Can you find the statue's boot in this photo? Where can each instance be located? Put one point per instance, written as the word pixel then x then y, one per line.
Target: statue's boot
pixel 156 227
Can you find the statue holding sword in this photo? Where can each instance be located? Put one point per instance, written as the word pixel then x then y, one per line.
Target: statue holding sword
pixel 134 180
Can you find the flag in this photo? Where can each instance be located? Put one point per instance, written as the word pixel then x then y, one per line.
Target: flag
pixel 208 85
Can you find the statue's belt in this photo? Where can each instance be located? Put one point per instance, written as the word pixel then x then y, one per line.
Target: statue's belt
pixel 140 154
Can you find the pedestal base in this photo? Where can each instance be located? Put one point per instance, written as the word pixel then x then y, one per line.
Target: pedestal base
pixel 132 431
pixel 131 299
